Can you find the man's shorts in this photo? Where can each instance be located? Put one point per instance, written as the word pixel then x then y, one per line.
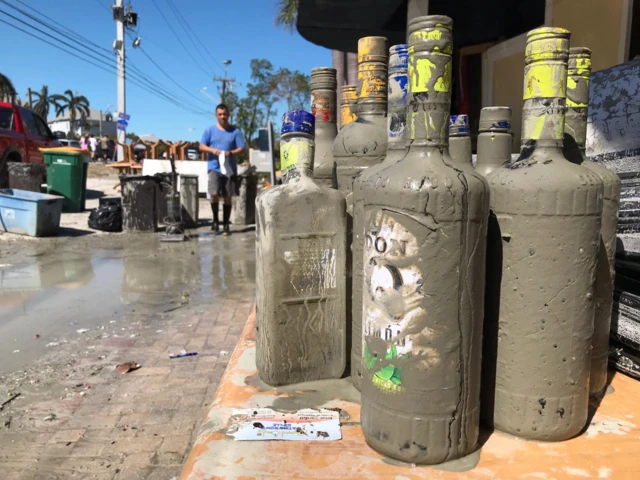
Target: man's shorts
pixel 222 185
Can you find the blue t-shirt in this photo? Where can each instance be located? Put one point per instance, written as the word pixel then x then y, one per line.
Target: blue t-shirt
pixel 225 140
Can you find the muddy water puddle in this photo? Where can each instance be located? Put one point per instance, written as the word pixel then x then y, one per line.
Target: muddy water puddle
pixel 58 295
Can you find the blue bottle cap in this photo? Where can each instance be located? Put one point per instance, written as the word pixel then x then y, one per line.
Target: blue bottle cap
pixel 298 121
pixel 459 124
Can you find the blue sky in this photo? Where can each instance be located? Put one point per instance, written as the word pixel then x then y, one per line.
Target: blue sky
pixel 238 30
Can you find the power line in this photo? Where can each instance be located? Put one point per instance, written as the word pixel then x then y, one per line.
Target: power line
pixel 102 5
pixel 103 68
pixel 197 63
pixel 191 33
pixel 137 74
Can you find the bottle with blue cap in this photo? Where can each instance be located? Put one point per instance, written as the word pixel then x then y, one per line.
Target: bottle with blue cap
pixel 495 141
pixel 301 235
pixel 460 139
pixel 396 151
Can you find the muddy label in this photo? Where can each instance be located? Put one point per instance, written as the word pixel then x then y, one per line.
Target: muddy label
pixel 297 153
pixel 323 108
pixel 393 310
pixel 311 266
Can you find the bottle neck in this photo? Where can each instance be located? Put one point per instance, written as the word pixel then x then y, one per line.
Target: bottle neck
pixel 296 156
pixel 397 108
pixel 323 107
pixel 543 112
pixel 577 108
pixel 368 108
pixel 429 98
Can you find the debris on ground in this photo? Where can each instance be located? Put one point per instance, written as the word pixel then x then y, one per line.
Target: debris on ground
pixel 51 417
pixel 82 330
pixel 183 353
pixel 224 353
pixel 11 399
pixel 127 367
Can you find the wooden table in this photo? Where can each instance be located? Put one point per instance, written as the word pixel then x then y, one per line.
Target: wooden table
pixel 609 449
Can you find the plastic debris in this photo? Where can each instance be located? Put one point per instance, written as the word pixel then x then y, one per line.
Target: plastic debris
pixel 82 330
pixel 51 417
pixel 127 367
pixel 183 353
pixel 224 353
pixel 37 336
pixel 52 344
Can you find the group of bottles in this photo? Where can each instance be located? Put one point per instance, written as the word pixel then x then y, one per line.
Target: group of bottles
pixel 388 250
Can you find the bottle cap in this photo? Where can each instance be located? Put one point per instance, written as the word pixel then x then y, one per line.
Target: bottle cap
pixel 399 57
pixel 298 121
pixel 323 78
pixel 459 125
pixel 495 119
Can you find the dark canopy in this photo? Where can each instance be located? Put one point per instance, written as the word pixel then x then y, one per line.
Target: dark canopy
pixel 338 24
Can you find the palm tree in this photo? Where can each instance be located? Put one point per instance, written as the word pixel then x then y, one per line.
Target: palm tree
pixel 7 90
pixel 287 14
pixel 44 101
pixel 75 105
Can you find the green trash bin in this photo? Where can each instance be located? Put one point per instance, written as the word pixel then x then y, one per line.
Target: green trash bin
pixel 67 176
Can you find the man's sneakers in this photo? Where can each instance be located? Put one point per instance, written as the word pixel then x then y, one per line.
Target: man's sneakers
pixel 226 231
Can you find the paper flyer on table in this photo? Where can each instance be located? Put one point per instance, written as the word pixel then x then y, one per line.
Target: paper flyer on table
pixel 267 424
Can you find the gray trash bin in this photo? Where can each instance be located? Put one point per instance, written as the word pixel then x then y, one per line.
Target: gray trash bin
pixel 189 200
pixel 139 210
pixel 245 202
pixel 27 176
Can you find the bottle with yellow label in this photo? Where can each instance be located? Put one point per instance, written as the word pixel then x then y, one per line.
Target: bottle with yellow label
pixel 575 138
pixel 548 211
pixel 300 268
pixel 348 105
pixel 425 225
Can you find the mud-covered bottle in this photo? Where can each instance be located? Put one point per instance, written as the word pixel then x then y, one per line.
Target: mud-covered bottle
pixel 300 276
pixel 396 150
pixel 363 142
pixel 460 139
pixel 425 220
pixel 348 105
pixel 323 107
pixel 548 211
pixel 494 139
pixel 575 136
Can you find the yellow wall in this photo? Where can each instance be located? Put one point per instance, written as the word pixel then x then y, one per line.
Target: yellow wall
pixel 595 24
pixel 508 81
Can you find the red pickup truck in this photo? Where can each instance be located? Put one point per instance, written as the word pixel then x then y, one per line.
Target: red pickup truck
pixel 22 133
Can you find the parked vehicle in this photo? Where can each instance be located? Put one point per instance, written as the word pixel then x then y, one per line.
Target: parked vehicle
pixel 65 142
pixel 22 133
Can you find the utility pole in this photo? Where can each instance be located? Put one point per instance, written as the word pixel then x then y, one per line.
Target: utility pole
pixel 225 80
pixel 125 18
pixel 29 98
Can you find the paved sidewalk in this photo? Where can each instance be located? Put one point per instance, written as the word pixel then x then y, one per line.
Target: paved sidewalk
pixel 81 419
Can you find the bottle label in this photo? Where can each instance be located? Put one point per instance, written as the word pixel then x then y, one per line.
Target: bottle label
pixel 393 300
pixel 347 114
pixel 421 71
pixel 297 154
pixel 545 80
pixel 323 107
pixel 312 267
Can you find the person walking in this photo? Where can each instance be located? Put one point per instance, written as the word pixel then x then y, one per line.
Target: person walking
pixel 93 145
pixel 84 142
pixel 222 142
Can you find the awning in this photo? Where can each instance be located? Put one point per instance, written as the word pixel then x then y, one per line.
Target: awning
pixel 338 24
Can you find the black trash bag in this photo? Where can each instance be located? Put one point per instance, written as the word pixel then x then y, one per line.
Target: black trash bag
pixel 107 218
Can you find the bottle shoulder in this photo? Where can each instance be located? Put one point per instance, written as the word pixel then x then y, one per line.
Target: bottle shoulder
pixel 363 137
pixel 299 191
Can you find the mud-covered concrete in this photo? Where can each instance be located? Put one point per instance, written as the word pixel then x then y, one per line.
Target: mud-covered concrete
pixel 425 220
pixel 301 250
pixel 574 150
pixel 548 213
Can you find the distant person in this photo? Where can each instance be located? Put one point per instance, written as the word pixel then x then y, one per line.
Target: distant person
pixel 84 142
pixel 93 145
pixel 222 140
pixel 104 147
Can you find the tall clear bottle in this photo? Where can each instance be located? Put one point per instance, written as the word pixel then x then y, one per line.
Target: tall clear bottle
pixel 323 107
pixel 575 137
pixel 494 139
pixel 397 149
pixel 363 142
pixel 300 275
pixel 548 211
pixel 460 139
pixel 425 221
pixel 348 105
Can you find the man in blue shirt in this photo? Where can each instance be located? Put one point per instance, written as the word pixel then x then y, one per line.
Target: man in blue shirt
pixel 222 140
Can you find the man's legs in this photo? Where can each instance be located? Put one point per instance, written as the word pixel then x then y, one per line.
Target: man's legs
pixel 215 208
pixel 226 212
